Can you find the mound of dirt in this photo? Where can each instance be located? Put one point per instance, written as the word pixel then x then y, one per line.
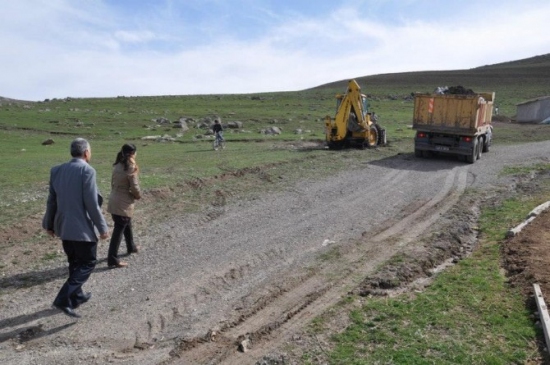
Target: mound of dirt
pixel 526 256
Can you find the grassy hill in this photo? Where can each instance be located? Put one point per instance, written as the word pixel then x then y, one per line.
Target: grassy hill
pixel 513 82
pixel 12 101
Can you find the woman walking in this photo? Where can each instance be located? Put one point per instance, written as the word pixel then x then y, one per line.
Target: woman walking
pixel 124 191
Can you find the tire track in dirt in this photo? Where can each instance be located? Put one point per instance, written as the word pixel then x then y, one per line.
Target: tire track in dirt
pixel 220 285
pixel 211 288
pixel 445 198
pixel 267 327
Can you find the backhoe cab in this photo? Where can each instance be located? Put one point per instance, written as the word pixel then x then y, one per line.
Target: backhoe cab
pixel 353 125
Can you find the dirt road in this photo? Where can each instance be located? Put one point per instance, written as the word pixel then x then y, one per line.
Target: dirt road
pixel 253 272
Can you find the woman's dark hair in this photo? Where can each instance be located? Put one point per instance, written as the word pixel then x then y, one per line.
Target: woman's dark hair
pixel 122 156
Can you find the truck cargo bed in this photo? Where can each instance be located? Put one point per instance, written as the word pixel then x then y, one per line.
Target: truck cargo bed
pixel 453 114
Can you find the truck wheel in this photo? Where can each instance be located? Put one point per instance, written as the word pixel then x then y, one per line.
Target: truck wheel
pixel 479 147
pixel 486 144
pixel 471 158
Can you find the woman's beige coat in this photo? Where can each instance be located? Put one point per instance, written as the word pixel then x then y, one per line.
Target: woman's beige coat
pixel 124 189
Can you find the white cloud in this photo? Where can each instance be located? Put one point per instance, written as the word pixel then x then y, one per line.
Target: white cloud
pixel 134 36
pixel 59 48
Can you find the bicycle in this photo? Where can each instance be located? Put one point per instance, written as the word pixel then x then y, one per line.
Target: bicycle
pixel 219 142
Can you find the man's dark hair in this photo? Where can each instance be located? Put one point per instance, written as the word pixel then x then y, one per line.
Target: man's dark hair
pixel 79 146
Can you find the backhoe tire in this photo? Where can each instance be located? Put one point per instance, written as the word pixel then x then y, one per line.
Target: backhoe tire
pixel 372 140
pixel 335 145
pixel 381 131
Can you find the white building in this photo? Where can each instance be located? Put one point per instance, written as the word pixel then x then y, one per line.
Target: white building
pixel 533 111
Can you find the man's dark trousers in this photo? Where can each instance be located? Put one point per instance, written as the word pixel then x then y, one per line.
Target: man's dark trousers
pixel 82 258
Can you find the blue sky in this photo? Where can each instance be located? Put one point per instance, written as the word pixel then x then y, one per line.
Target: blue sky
pixel 105 48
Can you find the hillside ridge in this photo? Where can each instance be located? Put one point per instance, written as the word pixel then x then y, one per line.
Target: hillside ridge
pixel 8 100
pixel 542 60
pixel 534 69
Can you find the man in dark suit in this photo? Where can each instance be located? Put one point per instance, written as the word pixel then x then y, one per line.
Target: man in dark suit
pixel 72 212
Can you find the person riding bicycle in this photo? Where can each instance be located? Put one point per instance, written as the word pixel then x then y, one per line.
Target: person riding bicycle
pixel 217 129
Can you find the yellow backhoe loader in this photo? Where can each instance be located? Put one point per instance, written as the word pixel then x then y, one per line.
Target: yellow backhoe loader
pixel 353 124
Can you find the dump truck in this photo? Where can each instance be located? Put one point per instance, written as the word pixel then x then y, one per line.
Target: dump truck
pixel 353 124
pixel 453 124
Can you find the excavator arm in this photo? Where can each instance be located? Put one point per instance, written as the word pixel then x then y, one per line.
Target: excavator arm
pixel 351 123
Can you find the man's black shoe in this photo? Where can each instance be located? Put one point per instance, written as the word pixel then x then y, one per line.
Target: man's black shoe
pixel 67 310
pixel 85 298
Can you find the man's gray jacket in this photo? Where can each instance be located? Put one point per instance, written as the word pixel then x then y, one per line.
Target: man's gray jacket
pixel 72 209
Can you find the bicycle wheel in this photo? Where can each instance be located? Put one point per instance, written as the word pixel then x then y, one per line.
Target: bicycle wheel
pixel 215 144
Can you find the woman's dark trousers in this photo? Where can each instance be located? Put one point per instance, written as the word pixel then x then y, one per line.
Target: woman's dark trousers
pixel 123 226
